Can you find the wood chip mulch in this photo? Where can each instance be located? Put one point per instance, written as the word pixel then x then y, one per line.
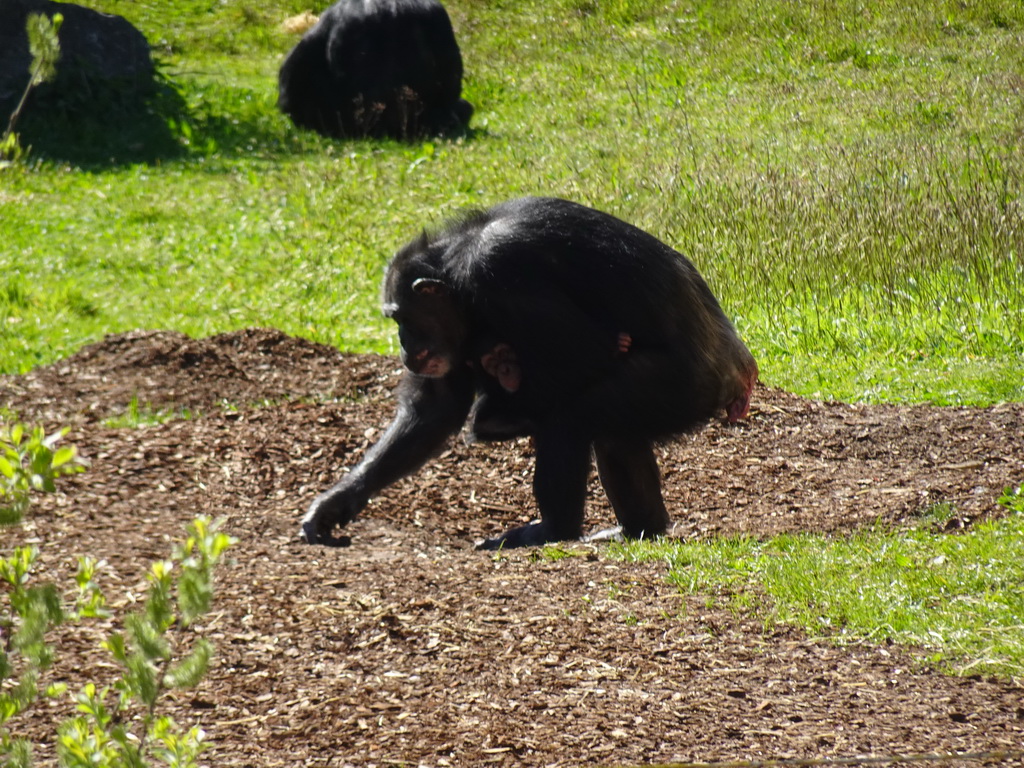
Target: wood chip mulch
pixel 410 648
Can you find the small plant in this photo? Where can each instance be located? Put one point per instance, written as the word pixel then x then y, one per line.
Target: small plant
pixel 157 650
pixel 158 654
pixel 1013 499
pixel 553 553
pixel 30 461
pixel 939 517
pixel 44 45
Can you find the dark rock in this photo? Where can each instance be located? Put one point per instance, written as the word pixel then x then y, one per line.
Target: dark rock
pixel 100 53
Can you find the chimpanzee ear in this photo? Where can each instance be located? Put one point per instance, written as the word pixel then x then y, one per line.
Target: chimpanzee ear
pixel 428 286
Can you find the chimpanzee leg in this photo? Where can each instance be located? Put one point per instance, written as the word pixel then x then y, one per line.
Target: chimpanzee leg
pixel 560 487
pixel 630 476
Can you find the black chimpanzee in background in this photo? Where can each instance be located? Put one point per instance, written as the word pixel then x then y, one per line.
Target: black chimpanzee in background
pixel 543 317
pixel 376 68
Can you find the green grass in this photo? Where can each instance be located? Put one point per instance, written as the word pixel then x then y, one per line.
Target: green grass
pixel 958 597
pixel 136 415
pixel 847 178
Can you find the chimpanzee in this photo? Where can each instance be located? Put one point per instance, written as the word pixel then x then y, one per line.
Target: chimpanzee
pixel 376 68
pixel 610 340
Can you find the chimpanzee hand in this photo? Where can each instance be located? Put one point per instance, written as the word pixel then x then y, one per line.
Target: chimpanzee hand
pixel 338 506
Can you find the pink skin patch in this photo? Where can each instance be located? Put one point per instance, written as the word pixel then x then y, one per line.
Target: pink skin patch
pixel 502 363
pixel 427 364
pixel 740 407
pixel 624 342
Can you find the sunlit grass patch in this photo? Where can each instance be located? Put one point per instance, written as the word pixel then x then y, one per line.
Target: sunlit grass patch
pixel 959 597
pixel 138 414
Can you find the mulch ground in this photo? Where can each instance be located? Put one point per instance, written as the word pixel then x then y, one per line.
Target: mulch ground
pixel 411 648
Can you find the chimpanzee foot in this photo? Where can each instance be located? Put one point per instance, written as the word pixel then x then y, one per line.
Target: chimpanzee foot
pixel 606 534
pixel 619 534
pixel 529 535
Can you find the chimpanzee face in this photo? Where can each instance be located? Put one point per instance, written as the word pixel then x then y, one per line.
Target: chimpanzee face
pixel 431 329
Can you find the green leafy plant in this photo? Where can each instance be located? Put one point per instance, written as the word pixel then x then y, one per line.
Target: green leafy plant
pixel 1013 499
pixel 30 461
pixel 44 46
pixel 157 650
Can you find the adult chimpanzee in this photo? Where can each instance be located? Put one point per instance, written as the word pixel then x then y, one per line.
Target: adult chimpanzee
pixel 544 317
pixel 376 68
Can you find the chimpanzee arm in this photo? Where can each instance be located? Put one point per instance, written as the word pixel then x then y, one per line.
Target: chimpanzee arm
pixel 430 410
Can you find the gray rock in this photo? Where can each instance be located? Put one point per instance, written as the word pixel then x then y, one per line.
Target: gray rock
pixel 99 52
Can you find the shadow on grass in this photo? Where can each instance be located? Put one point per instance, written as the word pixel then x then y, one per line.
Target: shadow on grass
pixel 101 125
pixel 114 131
pixel 99 129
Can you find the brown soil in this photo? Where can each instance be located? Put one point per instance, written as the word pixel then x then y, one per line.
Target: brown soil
pixel 409 647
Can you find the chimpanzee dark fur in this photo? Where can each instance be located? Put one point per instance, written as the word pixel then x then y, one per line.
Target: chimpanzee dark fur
pixel 376 68
pixel 613 341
